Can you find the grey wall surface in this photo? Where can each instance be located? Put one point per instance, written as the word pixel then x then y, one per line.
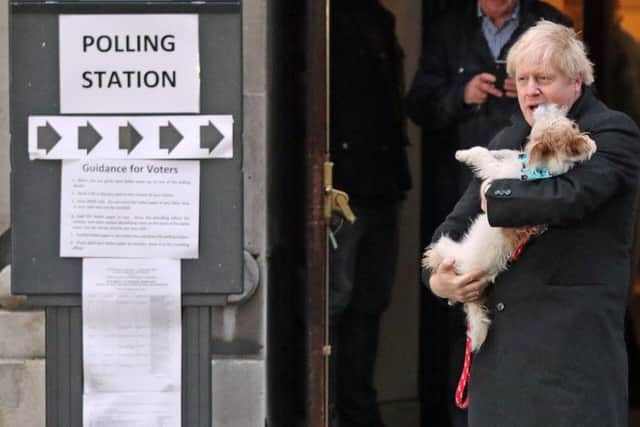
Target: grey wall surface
pixel 239 345
pixel 4 116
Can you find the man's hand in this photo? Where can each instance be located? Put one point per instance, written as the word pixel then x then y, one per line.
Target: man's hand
pixel 510 88
pixel 479 87
pixel 445 282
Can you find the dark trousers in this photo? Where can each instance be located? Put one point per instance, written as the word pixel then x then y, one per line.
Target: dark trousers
pixel 362 269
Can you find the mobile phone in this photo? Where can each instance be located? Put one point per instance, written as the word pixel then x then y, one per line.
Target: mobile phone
pixel 500 72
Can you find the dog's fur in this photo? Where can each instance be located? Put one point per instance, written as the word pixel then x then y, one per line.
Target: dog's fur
pixel 555 143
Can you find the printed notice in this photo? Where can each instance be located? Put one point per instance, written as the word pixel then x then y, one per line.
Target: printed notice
pixel 131 334
pixel 131 410
pixel 129 209
pixel 129 63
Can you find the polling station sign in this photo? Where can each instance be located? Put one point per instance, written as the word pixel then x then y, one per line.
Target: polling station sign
pixel 129 63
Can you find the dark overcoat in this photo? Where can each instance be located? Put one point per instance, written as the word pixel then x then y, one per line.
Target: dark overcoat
pixel 368 127
pixel 555 354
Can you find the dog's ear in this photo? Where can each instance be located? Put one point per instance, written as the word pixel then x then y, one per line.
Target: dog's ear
pixel 579 147
pixel 541 149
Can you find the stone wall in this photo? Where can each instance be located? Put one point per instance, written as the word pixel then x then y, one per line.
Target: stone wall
pixel 240 327
pixel 22 363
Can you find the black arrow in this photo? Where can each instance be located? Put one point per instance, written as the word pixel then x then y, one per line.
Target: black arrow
pixel 88 138
pixel 210 137
pixel 169 137
pixel 128 138
pixel 47 137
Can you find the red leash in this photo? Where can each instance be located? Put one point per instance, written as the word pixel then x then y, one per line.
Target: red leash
pixel 464 378
pixel 466 367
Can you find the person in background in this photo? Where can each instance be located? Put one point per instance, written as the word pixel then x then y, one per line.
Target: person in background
pixel 555 354
pixel 461 97
pixel 368 140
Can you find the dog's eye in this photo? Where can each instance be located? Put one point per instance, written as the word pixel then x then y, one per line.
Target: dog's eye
pixel 574 126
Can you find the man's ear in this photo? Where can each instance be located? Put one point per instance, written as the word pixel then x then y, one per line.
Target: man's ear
pixel 577 85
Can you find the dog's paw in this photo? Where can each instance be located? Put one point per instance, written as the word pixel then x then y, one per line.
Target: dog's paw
pixel 431 258
pixel 462 155
pixel 471 155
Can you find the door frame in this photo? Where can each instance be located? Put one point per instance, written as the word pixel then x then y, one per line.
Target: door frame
pixel 316 141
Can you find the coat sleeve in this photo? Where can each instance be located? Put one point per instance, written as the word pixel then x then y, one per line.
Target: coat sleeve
pixel 570 197
pixel 436 97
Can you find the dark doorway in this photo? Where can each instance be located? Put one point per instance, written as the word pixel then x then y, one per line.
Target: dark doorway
pixel 614 56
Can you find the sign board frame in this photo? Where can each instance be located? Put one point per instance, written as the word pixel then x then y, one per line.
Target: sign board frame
pixel 37 269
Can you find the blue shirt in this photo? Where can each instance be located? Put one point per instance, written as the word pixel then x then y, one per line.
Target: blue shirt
pixel 498 37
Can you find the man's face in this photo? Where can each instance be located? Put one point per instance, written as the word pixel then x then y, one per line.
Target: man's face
pixel 497 8
pixel 537 84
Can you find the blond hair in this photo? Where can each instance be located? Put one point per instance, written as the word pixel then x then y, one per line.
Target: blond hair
pixel 551 44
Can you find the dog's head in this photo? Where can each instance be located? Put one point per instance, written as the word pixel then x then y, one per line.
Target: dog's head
pixel 555 142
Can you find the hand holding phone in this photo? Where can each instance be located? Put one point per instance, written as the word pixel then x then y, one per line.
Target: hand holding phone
pixel 501 73
pixel 479 87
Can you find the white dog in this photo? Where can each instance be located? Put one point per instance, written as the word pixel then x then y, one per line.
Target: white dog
pixel 555 145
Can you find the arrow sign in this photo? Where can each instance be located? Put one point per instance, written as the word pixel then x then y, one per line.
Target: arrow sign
pixel 200 136
pixel 88 138
pixel 128 138
pixel 210 136
pixel 169 137
pixel 47 137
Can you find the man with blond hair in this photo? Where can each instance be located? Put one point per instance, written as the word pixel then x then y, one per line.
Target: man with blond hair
pixel 555 354
pixel 460 98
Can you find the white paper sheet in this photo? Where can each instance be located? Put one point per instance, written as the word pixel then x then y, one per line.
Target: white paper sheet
pixel 129 209
pixel 131 332
pixel 131 410
pixel 129 63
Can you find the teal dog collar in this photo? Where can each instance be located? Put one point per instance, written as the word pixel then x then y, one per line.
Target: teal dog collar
pixel 530 174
